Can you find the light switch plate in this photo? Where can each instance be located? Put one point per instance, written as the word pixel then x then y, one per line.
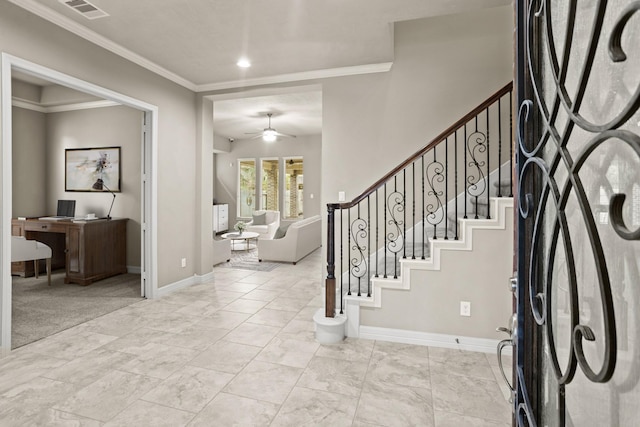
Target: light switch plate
pixel 465 308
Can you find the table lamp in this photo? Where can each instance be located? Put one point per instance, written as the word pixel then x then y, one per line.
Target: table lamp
pixel 100 185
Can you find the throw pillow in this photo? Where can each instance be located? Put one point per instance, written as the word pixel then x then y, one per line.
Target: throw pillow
pixel 281 231
pixel 260 219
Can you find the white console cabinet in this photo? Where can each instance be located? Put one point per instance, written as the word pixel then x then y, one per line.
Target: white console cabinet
pixel 220 218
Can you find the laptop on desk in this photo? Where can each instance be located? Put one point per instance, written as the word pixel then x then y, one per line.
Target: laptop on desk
pixel 66 210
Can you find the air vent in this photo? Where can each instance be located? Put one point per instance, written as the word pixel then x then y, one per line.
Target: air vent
pixel 85 8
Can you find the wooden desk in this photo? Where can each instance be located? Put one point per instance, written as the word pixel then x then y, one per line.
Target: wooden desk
pixel 89 251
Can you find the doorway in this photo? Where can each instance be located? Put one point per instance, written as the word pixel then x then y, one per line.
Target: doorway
pixel 148 167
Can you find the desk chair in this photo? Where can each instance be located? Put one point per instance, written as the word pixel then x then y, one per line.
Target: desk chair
pixel 27 250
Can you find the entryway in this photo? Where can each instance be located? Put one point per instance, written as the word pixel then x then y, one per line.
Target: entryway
pixel 148 267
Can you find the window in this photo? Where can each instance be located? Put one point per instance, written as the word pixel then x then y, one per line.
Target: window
pixel 246 187
pixel 270 183
pixel 294 183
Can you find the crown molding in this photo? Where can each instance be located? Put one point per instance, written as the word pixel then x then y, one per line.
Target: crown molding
pixel 95 38
pixel 27 105
pixel 81 106
pixel 382 67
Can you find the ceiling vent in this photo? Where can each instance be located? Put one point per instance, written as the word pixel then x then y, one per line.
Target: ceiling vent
pixel 85 8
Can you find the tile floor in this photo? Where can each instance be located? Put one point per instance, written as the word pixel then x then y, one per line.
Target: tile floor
pixel 241 351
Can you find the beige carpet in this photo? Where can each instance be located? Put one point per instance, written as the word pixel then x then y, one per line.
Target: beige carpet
pixel 40 310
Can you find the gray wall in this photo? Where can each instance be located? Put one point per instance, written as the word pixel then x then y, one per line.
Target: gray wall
pixel 307 146
pixel 179 233
pixel 40 140
pixel 29 163
pixel 443 67
pixel 99 127
pixel 433 304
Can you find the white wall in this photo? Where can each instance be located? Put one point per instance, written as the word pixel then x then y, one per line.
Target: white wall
pixel 36 40
pixel 307 146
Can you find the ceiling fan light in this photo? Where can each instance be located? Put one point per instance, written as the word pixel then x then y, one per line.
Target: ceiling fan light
pixel 269 135
pixel 243 63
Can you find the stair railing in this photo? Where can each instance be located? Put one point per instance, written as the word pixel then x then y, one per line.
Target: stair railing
pixel 421 198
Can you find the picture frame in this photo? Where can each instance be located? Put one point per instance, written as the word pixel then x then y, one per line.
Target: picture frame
pixel 85 166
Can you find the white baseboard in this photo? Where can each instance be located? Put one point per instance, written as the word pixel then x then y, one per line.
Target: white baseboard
pixel 482 345
pixel 184 283
pixel 132 269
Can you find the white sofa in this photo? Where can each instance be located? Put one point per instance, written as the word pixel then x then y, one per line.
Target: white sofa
pixel 267 231
pixel 221 251
pixel 302 238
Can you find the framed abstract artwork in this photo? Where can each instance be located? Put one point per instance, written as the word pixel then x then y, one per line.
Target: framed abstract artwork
pixel 92 169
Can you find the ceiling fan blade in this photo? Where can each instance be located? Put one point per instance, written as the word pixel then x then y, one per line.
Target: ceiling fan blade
pixel 285 135
pixel 270 130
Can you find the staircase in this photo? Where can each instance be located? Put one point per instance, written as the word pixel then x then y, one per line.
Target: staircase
pixel 389 243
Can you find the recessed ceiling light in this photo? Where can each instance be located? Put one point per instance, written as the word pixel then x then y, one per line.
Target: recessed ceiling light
pixel 243 63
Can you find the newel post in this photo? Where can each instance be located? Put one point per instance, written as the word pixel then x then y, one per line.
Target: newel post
pixel 330 284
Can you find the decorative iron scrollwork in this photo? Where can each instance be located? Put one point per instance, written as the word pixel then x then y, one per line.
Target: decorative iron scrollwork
pixel 566 140
pixel 476 147
pixel 435 179
pixel 358 263
pixel 395 239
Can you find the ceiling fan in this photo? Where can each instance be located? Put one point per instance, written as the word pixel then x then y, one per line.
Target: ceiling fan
pixel 269 134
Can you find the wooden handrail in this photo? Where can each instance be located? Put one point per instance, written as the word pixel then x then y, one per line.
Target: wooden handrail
pixel 451 129
pixel 330 282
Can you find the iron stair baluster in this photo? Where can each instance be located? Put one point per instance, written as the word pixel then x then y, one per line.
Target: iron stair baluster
pixel 488 187
pixel 349 248
pixel 477 166
pixel 455 155
pixel 413 199
pixel 357 246
pixel 341 251
pixel 446 188
pixel 465 172
pixel 368 246
pixel 423 217
pixel 377 231
pixel 499 148
pixel 404 197
pixel 385 230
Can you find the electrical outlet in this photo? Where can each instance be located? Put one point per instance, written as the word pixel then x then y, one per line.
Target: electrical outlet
pixel 465 308
pixel 342 196
pixel 184 262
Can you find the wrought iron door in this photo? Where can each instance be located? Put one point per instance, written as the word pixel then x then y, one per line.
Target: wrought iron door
pixel 578 293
